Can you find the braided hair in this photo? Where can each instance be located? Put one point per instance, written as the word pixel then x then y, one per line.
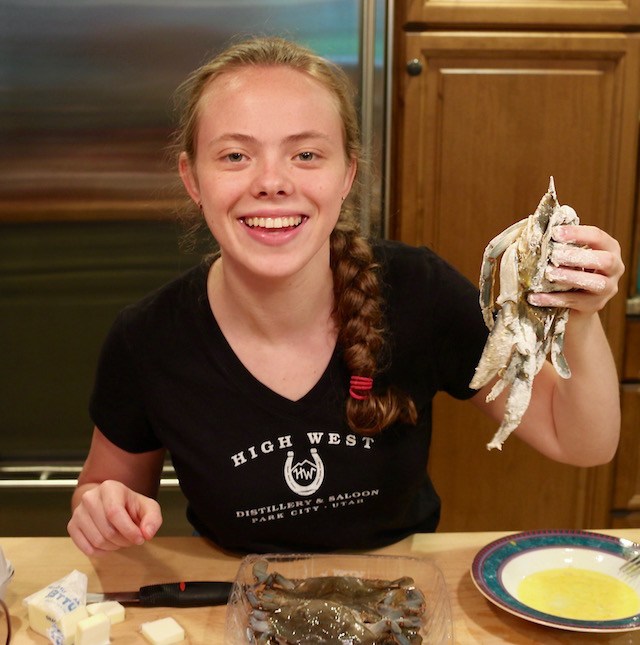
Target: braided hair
pixel 358 311
pixel 358 302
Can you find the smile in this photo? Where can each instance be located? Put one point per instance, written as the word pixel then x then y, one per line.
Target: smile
pixel 273 222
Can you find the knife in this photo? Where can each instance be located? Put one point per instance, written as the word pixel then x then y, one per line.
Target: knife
pixel 170 594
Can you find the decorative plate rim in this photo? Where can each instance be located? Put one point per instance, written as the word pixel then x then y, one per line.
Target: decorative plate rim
pixel 489 560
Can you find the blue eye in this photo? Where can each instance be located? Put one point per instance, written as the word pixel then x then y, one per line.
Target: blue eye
pixel 235 156
pixel 306 156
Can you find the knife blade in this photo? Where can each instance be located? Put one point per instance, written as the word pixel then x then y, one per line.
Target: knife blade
pixel 170 594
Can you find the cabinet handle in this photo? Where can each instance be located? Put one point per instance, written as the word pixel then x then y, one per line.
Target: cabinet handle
pixel 414 67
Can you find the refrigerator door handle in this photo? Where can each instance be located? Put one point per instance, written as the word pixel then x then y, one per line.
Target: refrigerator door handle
pixel 59 476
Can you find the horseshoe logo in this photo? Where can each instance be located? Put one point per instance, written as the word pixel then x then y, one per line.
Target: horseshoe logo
pixel 304 477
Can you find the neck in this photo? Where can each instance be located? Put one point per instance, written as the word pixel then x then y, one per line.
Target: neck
pixel 271 308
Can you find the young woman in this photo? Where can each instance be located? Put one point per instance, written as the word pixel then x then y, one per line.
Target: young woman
pixel 290 378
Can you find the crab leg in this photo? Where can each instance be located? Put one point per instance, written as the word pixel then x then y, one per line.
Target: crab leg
pixel 557 343
pixel 496 247
pixel 522 365
pixel 516 406
pixel 498 349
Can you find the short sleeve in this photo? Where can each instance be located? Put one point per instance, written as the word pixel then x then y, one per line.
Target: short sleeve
pixel 117 404
pixel 435 320
pixel 460 328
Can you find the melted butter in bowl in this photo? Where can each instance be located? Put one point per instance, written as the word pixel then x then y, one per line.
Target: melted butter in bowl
pixel 563 578
pixel 580 594
pixel 572 583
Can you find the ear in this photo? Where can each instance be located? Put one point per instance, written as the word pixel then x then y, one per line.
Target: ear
pixel 350 176
pixel 189 177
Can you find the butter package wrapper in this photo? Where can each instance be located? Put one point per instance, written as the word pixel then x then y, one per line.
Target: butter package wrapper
pixel 55 610
pixel 6 572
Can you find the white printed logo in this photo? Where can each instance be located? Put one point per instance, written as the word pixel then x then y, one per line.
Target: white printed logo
pixel 304 477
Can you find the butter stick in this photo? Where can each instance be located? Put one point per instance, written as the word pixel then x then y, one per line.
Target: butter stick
pixel 55 610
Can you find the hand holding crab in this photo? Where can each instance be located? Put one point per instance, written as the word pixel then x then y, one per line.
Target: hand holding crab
pixel 549 265
pixel 587 263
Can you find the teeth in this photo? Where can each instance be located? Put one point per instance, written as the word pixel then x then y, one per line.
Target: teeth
pixel 273 222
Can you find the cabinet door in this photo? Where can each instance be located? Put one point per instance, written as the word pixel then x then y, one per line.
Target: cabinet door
pixel 627 488
pixel 631 370
pixel 597 13
pixel 483 120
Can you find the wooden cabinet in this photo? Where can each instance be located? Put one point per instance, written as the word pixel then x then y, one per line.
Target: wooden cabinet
pixel 492 115
pixel 601 14
pixel 631 365
pixel 626 498
pixel 482 120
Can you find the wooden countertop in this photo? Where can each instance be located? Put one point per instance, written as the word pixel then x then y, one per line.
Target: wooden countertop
pixel 39 561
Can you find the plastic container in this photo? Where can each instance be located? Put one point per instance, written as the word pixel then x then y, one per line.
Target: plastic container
pixel 6 573
pixel 437 625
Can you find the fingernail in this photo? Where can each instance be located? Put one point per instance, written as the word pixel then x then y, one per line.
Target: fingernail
pixel 552 273
pixel 150 530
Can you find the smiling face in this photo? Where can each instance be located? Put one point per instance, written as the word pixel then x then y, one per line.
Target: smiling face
pixel 270 169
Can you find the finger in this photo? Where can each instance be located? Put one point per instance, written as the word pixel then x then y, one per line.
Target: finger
pixel 572 279
pixel 596 240
pixel 578 300
pixel 96 513
pixel 123 526
pixel 78 538
pixel 566 255
pixel 104 535
pixel 147 515
pixel 81 541
pixel 583 235
pixel 88 532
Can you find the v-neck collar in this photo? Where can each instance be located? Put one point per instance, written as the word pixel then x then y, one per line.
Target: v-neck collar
pixel 332 381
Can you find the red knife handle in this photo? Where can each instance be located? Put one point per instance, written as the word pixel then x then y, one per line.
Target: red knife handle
pixel 185 594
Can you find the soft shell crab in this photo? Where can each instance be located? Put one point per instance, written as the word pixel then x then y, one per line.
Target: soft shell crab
pixel 522 335
pixel 333 609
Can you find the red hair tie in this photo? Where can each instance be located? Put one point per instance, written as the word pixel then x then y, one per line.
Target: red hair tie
pixel 360 384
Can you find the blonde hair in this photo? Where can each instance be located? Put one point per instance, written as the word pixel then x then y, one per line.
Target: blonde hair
pixel 358 306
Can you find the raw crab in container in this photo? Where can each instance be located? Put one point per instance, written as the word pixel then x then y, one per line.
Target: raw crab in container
pixel 333 609
pixel 522 335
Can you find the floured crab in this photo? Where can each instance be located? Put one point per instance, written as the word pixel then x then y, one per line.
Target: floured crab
pixel 521 334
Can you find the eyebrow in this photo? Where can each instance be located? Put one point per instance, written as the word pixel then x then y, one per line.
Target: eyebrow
pixel 292 138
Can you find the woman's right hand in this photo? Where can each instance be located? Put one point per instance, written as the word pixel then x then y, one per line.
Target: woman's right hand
pixel 114 504
pixel 110 516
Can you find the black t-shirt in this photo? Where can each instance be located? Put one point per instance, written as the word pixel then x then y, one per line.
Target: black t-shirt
pixel 261 472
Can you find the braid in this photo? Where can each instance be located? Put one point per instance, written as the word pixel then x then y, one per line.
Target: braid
pixel 359 317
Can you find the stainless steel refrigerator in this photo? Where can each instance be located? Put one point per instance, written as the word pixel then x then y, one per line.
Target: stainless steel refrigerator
pixel 88 197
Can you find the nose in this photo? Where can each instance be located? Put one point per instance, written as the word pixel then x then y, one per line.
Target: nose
pixel 272 179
